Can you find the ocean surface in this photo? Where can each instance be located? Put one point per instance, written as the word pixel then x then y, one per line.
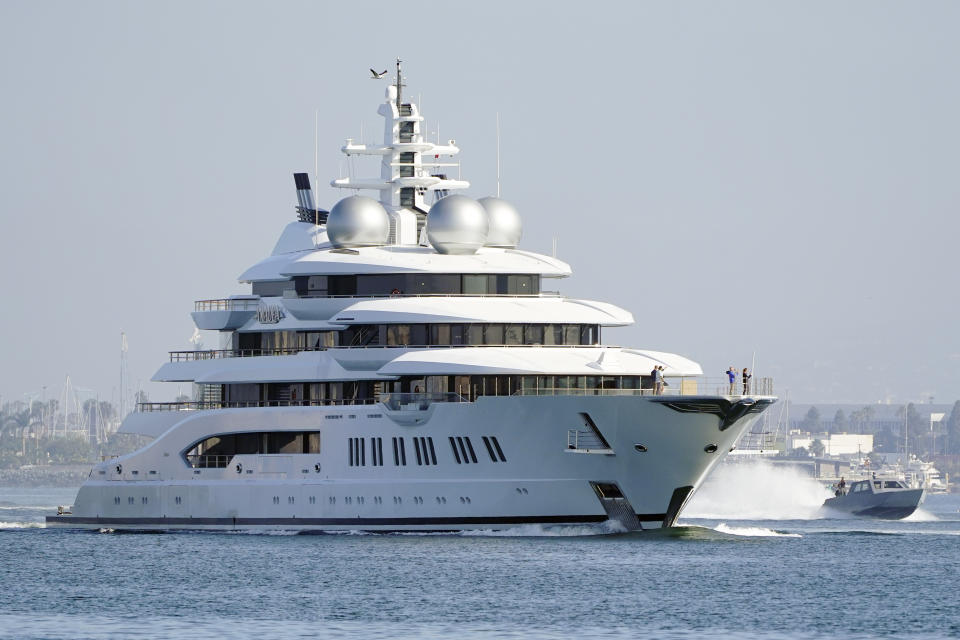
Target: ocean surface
pixel 755 557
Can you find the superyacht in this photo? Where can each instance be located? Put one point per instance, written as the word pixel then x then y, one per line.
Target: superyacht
pixel 400 365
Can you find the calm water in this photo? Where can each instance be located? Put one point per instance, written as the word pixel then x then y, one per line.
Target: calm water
pixel 718 577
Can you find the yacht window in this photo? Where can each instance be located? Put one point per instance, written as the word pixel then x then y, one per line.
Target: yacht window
pixel 398 335
pixel 282 442
pixel 317 285
pixel 588 334
pixel 571 334
pixel 475 285
pixel 493 334
pixel 342 285
pixel 528 384
pixel 591 384
pixel 513 334
pixel 406 165
pixel 247 443
pixel 533 334
pixel 877 484
pixel 474 334
pixel 216 451
pixel 271 289
pixel 893 484
pixel 440 334
pixel 521 285
pixel 553 334
pixel 546 385
pixel 418 334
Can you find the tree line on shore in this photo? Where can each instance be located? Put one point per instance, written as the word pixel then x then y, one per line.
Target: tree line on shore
pixel 41 433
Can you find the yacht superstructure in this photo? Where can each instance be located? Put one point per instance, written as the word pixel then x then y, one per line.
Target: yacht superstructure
pixel 400 365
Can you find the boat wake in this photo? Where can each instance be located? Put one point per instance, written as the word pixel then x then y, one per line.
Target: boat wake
pixel 548 531
pixel 753 532
pixel 921 515
pixel 758 490
pixel 22 525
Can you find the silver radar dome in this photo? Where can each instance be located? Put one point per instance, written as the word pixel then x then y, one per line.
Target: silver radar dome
pixel 457 225
pixel 358 221
pixel 505 226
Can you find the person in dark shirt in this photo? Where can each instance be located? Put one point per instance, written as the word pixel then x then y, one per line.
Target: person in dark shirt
pixel 746 381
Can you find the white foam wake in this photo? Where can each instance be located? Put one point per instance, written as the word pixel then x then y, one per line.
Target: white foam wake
pixel 758 490
pixel 753 532
pixel 22 525
pixel 549 531
pixel 921 515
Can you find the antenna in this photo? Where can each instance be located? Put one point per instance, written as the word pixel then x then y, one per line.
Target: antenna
pixel 400 84
pixel 498 154
pixel 554 246
pixel 316 167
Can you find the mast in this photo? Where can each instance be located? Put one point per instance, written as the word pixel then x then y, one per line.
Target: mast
pixel 410 165
pixel 400 86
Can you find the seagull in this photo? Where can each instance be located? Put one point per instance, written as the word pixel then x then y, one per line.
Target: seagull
pixel 376 76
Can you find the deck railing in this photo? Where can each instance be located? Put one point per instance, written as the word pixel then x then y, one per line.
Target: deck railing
pixel 417 401
pixel 227 304
pixel 673 386
pixel 207 405
pixel 218 461
pixel 676 386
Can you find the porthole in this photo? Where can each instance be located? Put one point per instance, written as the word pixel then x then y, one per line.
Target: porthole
pixel 640 448
pixel 710 448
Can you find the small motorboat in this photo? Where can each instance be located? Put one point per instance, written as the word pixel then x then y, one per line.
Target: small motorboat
pixel 887 499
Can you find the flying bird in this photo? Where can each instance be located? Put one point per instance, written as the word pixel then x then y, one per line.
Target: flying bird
pixel 376 76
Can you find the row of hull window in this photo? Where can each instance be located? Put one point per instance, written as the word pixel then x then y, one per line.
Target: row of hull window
pixel 404 284
pixel 403 335
pixel 417 284
pixel 423 448
pixel 358 452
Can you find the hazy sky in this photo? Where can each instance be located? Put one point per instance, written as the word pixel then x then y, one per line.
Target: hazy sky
pixel 768 178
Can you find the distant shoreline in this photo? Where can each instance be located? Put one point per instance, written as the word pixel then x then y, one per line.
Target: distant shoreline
pixel 45 476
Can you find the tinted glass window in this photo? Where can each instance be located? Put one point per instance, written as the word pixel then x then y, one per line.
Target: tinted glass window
pixel 474 334
pixel 475 285
pixel 533 334
pixel 440 334
pixel 493 334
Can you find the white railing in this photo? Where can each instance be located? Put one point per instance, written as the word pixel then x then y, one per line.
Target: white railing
pixel 227 304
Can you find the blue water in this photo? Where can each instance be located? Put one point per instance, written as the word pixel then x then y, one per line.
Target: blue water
pixel 811 577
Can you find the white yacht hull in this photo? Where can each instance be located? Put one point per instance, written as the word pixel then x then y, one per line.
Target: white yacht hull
pixel 545 478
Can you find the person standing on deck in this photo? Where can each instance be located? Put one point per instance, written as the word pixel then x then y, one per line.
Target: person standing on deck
pixel 746 381
pixel 732 378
